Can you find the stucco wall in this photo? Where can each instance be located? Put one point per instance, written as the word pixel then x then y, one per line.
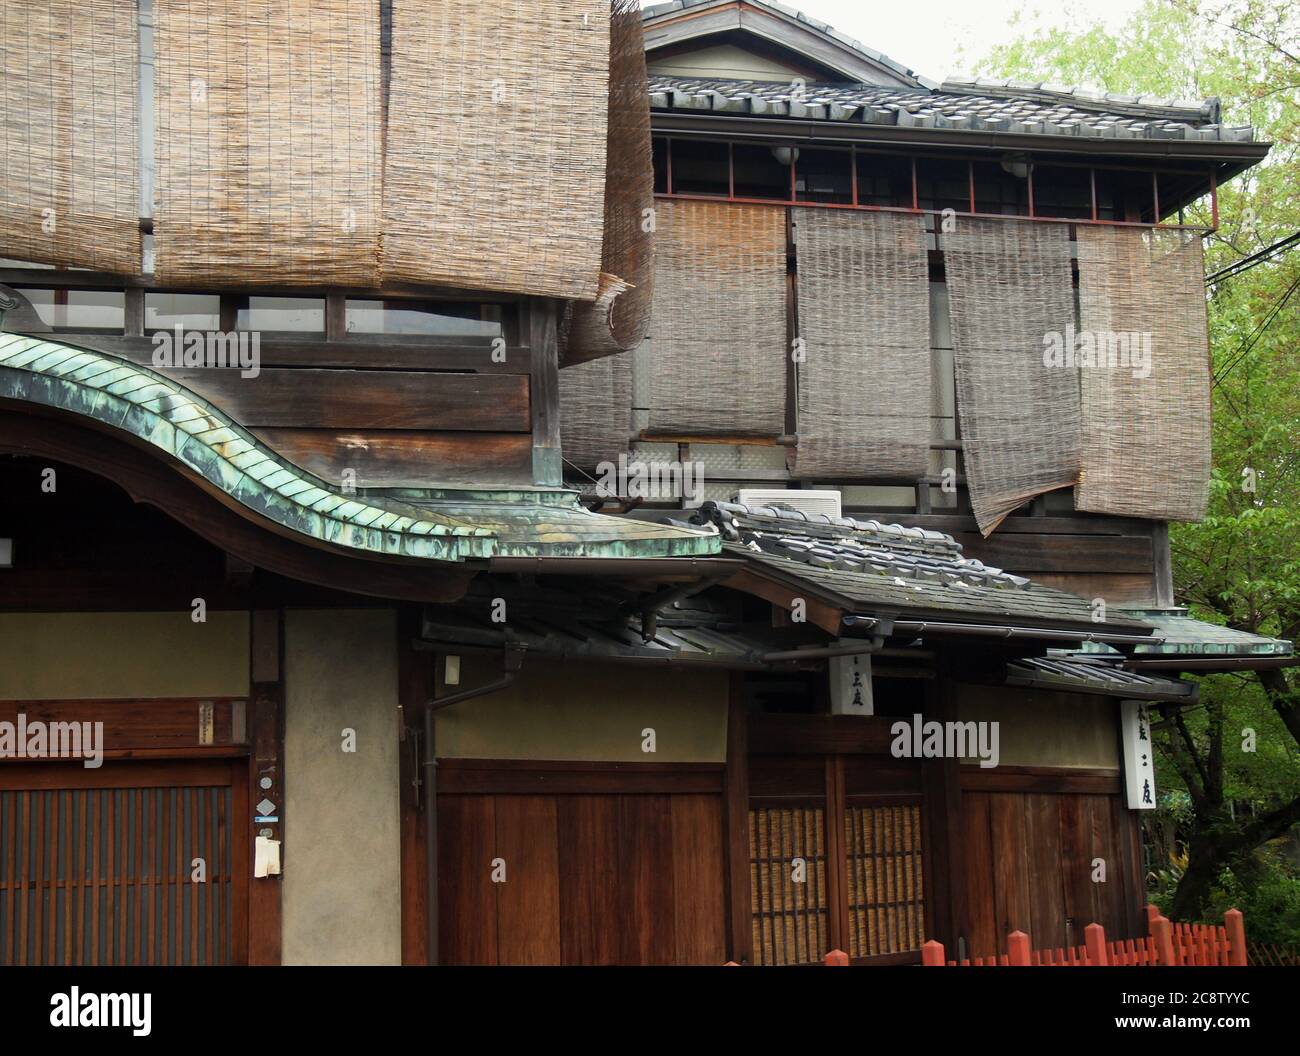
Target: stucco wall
pixel 88 655
pixel 589 711
pixel 342 851
pixel 1041 728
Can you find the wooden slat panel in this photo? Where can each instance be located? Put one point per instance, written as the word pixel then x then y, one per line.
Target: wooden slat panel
pixel 589 879
pixel 528 903
pixel 467 905
pixel 645 849
pixel 1057 553
pixel 1046 905
pixel 407 458
pixel 698 900
pixel 979 856
pixel 1010 863
pixel 366 399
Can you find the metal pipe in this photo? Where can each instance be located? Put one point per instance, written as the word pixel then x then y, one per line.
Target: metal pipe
pixel 988 630
pixel 872 645
pixel 511 662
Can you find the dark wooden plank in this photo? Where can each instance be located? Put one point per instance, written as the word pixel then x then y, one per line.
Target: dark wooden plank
pixel 1046 897
pixel 647 922
pixel 1010 862
pixel 406 352
pixel 699 901
pixel 544 373
pixel 814 734
pixel 740 937
pixel 980 926
pixel 1040 779
pixel 609 779
pixel 402 458
pixel 365 399
pixel 266 740
pixel 1076 865
pixel 128 724
pixel 528 903
pixel 467 899
pixel 590 903
pixel 415 687
pixel 1062 553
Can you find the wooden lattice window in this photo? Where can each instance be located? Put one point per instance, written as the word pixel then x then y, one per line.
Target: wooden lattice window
pixel 886 899
pixel 791 906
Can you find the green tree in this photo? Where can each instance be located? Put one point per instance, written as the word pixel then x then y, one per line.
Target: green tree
pixel 1241 566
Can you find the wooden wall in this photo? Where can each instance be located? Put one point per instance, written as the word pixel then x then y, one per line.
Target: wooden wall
pixel 1028 859
pixel 602 865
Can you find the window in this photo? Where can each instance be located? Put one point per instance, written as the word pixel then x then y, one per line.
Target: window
pixel 884 180
pixel 762 171
pixel 943 184
pixel 304 315
pixel 432 318
pixel 824 176
pixel 193 311
pixel 659 159
pixel 999 191
pixel 79 310
pixel 700 167
pixel 1064 191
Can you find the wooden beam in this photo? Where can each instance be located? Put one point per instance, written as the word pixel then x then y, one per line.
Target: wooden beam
pixel 415 689
pixel 945 865
pixel 266 780
pixel 544 392
pixel 740 936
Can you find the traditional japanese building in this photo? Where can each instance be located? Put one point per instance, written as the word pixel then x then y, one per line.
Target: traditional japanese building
pixel 693 491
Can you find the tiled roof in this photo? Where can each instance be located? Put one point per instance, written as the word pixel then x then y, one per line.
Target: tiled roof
pixel 1093 675
pixel 1019 107
pixel 888 569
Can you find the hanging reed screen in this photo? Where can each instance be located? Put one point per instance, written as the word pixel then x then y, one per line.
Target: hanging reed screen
pixel 268 142
pixel 718 329
pixel 788 862
pixel 1146 387
pixel 616 321
pixel 886 888
pixel 107 876
pixel 69 189
pixel 864 316
pixel 1009 287
pixel 495 160
pixel 596 410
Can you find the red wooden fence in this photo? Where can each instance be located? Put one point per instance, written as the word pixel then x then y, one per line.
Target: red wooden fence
pixel 1172 944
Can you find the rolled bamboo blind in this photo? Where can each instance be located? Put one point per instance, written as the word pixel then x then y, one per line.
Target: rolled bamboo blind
pixel 616 321
pixel 1146 439
pixel 718 326
pixel 69 188
pixel 268 119
pixel 1009 286
pixel 864 316
pixel 494 174
pixel 596 410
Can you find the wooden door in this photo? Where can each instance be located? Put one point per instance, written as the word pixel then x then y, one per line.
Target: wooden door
pixel 617 865
pixel 130 863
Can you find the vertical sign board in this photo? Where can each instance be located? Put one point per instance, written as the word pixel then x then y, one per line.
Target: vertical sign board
pixel 1139 758
pixel 851 682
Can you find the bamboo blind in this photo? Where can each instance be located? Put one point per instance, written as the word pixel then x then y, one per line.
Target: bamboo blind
pixel 596 410
pixel 69 187
pixel 618 318
pixel 1009 286
pixel 864 315
pixel 268 119
pixel 886 885
pixel 791 918
pixel 718 326
pixel 494 172
pixel 104 876
pixel 1146 441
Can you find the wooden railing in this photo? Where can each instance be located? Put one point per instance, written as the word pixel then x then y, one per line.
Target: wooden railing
pixel 1180 945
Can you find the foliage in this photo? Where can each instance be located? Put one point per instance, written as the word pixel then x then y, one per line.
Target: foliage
pixel 1241 565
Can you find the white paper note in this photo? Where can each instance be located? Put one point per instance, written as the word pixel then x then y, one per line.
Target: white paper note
pixel 266 857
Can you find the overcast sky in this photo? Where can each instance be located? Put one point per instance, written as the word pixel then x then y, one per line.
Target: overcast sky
pixel 926 35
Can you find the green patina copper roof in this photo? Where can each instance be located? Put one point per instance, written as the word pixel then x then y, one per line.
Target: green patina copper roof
pixel 446 527
pixel 1185 636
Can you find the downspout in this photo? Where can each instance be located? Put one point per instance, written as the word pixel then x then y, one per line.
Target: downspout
pixel 512 660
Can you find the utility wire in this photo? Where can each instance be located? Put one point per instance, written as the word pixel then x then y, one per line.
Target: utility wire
pixel 1246 263
pixel 1251 340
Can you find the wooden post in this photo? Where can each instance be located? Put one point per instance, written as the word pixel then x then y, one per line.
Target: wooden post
pixel 932 954
pixel 544 391
pixel 1235 925
pixel 1018 949
pixel 1153 912
pixel 1163 931
pixel 265 779
pixel 740 907
pixel 837 959
pixel 1094 938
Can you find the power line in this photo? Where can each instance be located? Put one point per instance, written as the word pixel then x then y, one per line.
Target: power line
pixel 1246 263
pixel 1250 341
